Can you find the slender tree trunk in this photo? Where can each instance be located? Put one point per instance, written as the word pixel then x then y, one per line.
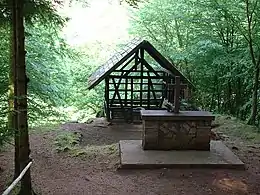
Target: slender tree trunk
pixel 21 84
pixel 12 117
pixel 179 36
pixel 238 97
pixel 255 60
pixel 252 118
pixel 212 104
pixel 229 100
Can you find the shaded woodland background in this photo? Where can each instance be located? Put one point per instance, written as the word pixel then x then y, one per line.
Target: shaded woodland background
pixel 215 43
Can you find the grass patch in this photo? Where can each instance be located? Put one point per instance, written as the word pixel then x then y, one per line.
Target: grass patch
pixel 45 128
pixel 67 141
pixel 236 128
pixel 94 151
pixel 70 142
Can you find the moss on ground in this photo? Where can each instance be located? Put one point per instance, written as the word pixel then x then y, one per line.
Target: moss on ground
pixel 236 128
pixel 67 141
pixel 70 142
pixel 45 128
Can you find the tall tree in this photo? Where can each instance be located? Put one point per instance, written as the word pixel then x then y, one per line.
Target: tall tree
pixel 215 43
pixel 20 81
pixel 12 100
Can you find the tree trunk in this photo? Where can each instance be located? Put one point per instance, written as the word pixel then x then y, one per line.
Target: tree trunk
pixel 212 102
pixel 21 84
pixel 179 36
pixel 252 118
pixel 255 60
pixel 238 97
pixel 12 117
pixel 229 98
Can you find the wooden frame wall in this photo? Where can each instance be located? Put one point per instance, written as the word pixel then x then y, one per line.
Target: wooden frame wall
pixel 135 84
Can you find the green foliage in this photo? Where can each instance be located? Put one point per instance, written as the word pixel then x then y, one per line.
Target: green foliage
pixel 46 50
pixel 67 141
pixel 35 11
pixel 70 142
pixel 92 152
pixel 210 42
pixel 48 76
pixel 45 128
pixel 95 152
pixel 236 128
pixel 87 102
pixel 207 40
pixel 4 64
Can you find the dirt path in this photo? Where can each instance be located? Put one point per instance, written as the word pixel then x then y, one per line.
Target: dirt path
pixel 61 174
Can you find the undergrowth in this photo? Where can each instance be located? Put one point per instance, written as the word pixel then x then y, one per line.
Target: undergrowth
pixel 237 128
pixel 45 128
pixel 70 142
pixel 67 141
pixel 93 151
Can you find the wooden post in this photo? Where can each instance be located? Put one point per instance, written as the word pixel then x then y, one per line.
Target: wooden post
pixel 132 97
pixel 136 59
pixel 107 110
pixel 142 72
pixel 177 94
pixel 149 93
pixel 126 86
pixel 177 90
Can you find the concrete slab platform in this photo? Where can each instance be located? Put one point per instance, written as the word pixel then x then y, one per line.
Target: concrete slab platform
pixel 132 156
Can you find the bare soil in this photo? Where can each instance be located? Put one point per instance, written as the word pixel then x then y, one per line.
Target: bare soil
pixel 96 172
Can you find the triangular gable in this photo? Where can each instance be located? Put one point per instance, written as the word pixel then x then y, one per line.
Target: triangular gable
pixel 119 58
pixel 161 60
pixel 114 62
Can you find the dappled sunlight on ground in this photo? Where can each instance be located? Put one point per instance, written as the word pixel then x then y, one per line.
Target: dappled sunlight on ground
pixel 233 185
pixel 91 166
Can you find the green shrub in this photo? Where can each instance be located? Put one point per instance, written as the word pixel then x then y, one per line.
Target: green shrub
pixel 67 141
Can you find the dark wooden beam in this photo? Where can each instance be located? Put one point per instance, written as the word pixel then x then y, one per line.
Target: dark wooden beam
pixel 136 59
pixel 149 95
pixel 160 59
pixel 125 65
pixel 143 90
pixel 107 110
pixel 93 82
pixel 150 68
pixel 151 85
pixel 138 83
pixel 127 72
pixel 158 71
pixel 126 90
pixel 177 94
pixel 177 90
pixel 142 74
pixel 132 97
pixel 135 77
pixel 116 86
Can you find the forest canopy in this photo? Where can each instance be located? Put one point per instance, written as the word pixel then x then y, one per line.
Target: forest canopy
pixel 214 43
pixel 50 48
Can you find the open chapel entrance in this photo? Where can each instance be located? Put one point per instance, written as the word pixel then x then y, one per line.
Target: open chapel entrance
pixel 138 77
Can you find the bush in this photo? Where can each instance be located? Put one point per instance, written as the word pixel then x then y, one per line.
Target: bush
pixel 67 141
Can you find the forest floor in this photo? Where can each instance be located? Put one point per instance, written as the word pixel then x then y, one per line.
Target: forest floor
pixel 82 159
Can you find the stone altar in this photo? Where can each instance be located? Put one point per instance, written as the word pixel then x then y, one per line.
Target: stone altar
pixel 185 130
pixel 182 133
